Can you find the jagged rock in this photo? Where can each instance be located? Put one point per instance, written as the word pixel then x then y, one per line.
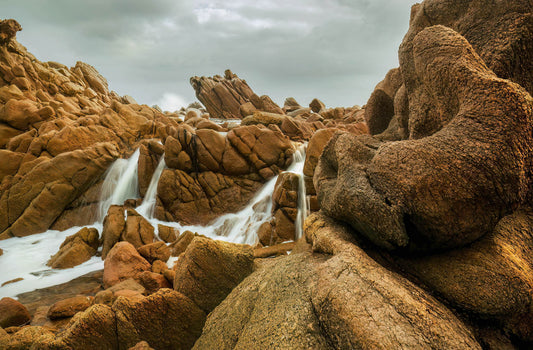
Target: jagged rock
pixel 317 106
pixel 148 160
pixel 114 225
pixel 209 270
pixel 69 307
pixel 8 30
pixel 123 262
pixel 224 96
pixel 290 105
pixel 13 313
pixel 166 319
pixel 76 249
pixel 428 192
pixel 155 251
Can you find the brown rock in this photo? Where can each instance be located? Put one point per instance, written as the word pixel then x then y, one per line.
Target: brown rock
pixel 19 114
pixel 263 118
pixel 123 262
pixel 181 244
pixel 76 249
pixel 138 230
pixel 114 225
pixel 275 250
pixel 210 269
pixel 317 106
pixel 286 191
pixel 13 313
pixel 166 319
pixel 159 266
pixel 167 233
pixel 142 345
pixel 8 30
pixel 155 251
pixel 291 105
pixel 152 281
pixel 427 193
pixel 69 307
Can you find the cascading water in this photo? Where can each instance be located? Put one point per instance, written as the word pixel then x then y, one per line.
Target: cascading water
pixel 121 183
pixel 303 204
pixel 147 207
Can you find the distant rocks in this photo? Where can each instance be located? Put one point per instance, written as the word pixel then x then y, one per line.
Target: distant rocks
pixel 230 97
pixel 8 30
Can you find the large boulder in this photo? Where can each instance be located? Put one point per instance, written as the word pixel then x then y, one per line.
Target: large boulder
pixel 463 168
pixel 123 262
pixel 209 270
pixel 336 297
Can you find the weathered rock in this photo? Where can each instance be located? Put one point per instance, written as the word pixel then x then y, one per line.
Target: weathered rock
pixel 69 307
pixel 224 96
pixel 76 249
pixel 182 242
pixel 166 320
pixel 166 233
pixel 263 118
pixel 138 230
pixel 8 30
pixel 380 106
pixel 142 345
pixel 314 149
pixel 307 301
pixel 123 262
pixel 317 106
pixel 155 251
pixel 423 193
pixel 275 250
pixel 291 105
pixel 209 270
pixel 13 313
pixel 114 225
pixel 152 281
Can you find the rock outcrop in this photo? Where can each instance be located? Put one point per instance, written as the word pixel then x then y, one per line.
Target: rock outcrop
pixel 229 97
pixel 424 194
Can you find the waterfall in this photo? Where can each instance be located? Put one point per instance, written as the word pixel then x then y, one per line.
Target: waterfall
pixel 299 160
pixel 147 207
pixel 120 183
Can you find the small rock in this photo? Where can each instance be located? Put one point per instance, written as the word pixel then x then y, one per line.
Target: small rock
pixel 155 251
pixel 316 105
pixel 69 307
pixel 13 313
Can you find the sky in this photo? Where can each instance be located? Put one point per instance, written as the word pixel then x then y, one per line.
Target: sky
pixel 334 50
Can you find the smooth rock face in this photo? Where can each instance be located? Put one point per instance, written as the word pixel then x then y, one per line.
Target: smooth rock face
pixel 307 301
pixel 123 262
pixel 462 169
pixel 209 270
pixel 69 307
pixel 13 313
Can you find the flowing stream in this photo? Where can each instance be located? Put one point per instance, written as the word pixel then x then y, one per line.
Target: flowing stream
pixel 26 257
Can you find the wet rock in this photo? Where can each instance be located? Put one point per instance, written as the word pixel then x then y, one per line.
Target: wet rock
pixel 69 307
pixel 155 251
pixel 13 313
pixel 123 262
pixel 209 270
pixel 76 249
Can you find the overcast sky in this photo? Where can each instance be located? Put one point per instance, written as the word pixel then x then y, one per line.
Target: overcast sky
pixel 336 50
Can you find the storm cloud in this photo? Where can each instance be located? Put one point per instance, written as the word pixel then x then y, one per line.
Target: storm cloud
pixel 336 50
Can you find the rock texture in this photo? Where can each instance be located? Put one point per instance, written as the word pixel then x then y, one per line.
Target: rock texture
pixel 423 193
pixel 307 300
pixel 230 97
pixel 123 262
pixel 76 249
pixel 13 313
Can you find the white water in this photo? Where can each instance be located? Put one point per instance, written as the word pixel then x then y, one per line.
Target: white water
pixel 147 207
pixel 26 257
pixel 303 203
pixel 120 183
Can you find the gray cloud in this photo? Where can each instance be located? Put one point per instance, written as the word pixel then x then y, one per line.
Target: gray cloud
pixel 336 50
